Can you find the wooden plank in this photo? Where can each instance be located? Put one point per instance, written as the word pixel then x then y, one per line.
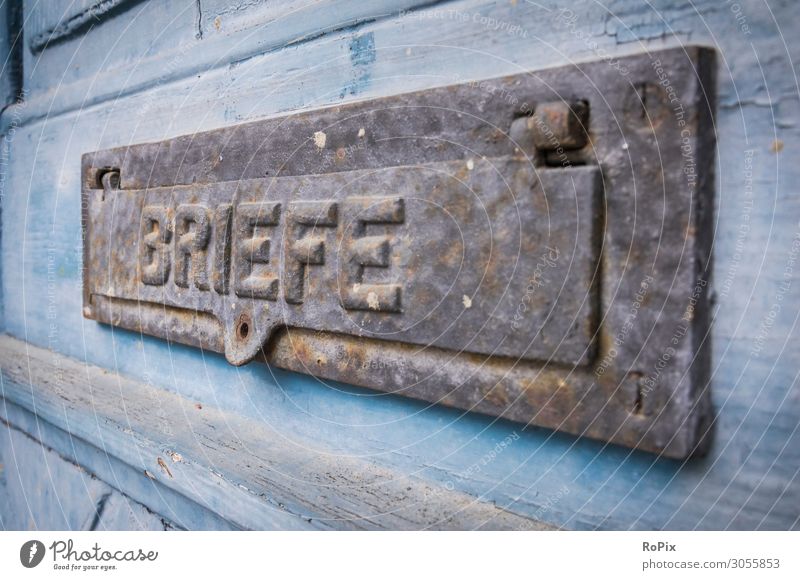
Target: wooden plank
pixel 236 468
pixel 40 490
pixel 29 495
pixel 278 58
pixel 54 22
pixel 175 510
pixel 193 37
pixel 72 43
pixel 10 53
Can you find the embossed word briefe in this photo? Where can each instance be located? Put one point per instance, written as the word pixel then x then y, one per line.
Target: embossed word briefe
pixel 405 254
pixel 244 236
pixel 478 245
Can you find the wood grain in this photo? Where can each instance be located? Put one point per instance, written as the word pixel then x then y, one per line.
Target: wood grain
pixel 235 468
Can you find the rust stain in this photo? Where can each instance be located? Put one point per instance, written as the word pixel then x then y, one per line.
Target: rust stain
pixel 164 467
pixel 498 396
pixel 777 146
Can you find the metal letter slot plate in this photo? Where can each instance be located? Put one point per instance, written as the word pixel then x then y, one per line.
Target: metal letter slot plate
pixel 533 247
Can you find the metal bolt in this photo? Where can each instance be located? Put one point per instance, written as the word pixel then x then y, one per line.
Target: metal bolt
pixel 559 125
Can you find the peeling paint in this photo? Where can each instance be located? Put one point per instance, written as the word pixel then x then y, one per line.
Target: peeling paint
pixel 162 464
pixel 372 301
pixel 362 57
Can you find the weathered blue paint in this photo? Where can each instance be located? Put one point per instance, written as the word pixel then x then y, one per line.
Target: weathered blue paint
pixel 41 490
pixel 127 81
pixel 362 55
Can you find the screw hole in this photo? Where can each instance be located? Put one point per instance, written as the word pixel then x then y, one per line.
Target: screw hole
pixel 243 328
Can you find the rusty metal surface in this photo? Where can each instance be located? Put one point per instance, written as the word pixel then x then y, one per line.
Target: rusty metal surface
pixel 533 247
